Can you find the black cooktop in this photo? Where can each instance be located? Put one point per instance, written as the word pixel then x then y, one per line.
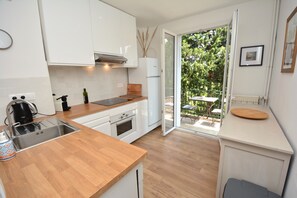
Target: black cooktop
pixel 111 101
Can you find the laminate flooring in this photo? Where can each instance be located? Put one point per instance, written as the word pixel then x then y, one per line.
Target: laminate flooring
pixel 180 165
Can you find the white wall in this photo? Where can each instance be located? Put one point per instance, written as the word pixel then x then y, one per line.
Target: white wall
pixel 254 28
pixel 283 96
pixel 23 67
pixel 101 82
pixel 154 50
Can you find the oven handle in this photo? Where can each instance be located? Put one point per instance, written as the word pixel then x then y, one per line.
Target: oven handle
pixel 124 120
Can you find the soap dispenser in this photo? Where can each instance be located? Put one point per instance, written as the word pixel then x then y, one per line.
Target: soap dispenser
pixel 65 106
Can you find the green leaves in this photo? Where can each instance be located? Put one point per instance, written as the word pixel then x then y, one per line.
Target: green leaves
pixel 203 61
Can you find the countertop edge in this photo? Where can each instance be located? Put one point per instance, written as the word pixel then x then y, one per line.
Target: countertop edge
pixel 224 134
pixel 291 152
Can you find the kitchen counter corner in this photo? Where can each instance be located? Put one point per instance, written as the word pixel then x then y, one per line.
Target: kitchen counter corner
pixel 85 163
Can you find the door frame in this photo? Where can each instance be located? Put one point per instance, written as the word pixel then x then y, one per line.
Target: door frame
pixel 179 50
pixel 231 69
pixel 164 31
pixel 177 70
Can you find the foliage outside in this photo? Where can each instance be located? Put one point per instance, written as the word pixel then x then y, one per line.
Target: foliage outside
pixel 203 61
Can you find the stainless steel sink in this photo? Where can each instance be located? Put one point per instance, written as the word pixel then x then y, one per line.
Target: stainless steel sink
pixel 35 133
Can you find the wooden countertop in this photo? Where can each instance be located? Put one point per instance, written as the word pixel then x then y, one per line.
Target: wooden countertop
pixel 82 164
pixel 261 133
pixel 85 109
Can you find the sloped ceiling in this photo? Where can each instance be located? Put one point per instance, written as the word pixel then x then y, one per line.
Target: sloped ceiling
pixel 154 12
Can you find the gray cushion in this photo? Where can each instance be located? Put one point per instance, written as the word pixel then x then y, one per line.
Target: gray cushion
pixel 273 195
pixel 243 189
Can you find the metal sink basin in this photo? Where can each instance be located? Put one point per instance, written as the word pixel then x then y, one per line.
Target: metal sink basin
pixel 35 133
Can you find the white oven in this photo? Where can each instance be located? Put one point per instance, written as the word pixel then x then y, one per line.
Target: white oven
pixel 123 124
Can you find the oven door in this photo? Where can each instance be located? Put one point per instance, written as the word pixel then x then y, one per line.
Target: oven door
pixel 123 127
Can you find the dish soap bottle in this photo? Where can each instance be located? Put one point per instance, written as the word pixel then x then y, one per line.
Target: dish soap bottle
pixel 86 97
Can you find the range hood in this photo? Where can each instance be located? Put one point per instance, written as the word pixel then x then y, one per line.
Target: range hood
pixel 106 58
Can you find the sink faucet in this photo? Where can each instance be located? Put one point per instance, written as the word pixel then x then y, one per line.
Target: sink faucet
pixel 11 122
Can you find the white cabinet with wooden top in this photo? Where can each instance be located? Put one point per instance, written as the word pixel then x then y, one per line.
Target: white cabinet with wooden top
pixel 253 150
pixel 67 36
pixel 98 121
pixel 131 185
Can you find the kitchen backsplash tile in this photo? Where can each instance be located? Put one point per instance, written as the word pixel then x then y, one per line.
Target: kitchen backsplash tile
pixel 39 85
pixel 100 81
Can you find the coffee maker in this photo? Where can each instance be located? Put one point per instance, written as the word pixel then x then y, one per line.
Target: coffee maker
pixel 23 111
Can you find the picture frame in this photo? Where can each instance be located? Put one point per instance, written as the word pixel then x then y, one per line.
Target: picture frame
pixel 251 56
pixel 290 44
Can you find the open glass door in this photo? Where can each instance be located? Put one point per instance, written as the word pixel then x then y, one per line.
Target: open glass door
pixel 168 82
pixel 229 65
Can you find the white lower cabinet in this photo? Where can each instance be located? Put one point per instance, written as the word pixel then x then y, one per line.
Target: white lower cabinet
pixel 97 121
pixel 142 117
pixel 144 114
pixel 255 151
pixel 130 186
pixel 101 121
pixel 104 128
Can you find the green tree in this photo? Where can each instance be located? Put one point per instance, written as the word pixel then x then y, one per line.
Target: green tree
pixel 203 61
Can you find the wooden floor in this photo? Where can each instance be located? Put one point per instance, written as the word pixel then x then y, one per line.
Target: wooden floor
pixel 180 165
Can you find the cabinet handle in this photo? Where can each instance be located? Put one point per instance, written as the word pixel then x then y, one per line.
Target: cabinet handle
pixel 137 180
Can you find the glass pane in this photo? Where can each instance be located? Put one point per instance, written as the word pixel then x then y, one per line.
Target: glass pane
pixel 227 62
pixel 169 80
pixel 124 127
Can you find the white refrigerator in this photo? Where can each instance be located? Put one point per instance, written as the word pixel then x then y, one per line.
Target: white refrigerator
pixel 148 73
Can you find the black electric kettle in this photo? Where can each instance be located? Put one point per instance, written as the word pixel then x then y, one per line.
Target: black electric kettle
pixel 23 112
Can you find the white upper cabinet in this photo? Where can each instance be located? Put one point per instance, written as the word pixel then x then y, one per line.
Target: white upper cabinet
pixel 129 41
pixel 105 28
pixel 67 35
pixel 114 32
pixel 25 58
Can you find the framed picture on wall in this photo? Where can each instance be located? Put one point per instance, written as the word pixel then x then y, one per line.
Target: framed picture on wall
pixel 290 44
pixel 251 56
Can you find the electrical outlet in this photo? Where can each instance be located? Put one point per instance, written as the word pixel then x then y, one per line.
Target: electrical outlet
pixel 28 96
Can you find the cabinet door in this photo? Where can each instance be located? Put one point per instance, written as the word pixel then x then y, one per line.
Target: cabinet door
pixel 128 42
pixel 25 59
pixel 130 186
pixel 92 117
pixel 142 117
pixel 103 128
pixel 106 25
pixel 114 32
pixel 154 103
pixel 66 26
pixel 97 121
